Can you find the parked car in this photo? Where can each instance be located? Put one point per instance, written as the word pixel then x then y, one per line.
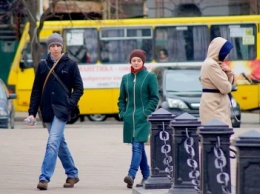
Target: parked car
pixel 7 111
pixel 180 91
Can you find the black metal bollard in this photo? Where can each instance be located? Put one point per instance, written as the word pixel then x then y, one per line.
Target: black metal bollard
pixel 186 153
pixel 215 157
pixel 160 120
pixel 248 163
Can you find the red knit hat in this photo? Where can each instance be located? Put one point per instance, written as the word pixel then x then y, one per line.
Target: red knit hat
pixel 138 53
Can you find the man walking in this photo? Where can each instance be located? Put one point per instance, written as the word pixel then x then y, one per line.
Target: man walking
pixel 56 104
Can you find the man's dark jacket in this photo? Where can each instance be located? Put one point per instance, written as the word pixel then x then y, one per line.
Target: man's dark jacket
pixel 54 100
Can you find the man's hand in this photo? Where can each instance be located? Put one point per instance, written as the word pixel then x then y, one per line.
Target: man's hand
pixel 30 120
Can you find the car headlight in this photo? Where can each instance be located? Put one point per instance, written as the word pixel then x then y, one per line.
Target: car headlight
pixel 233 103
pixel 3 112
pixel 176 103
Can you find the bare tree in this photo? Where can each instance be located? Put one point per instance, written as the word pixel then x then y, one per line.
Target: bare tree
pixel 34 30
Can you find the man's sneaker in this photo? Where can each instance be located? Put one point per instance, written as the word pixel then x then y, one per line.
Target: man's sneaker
pixel 141 183
pixel 70 182
pixel 129 180
pixel 42 185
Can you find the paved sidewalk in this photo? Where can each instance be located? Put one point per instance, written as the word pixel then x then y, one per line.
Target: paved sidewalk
pixel 98 151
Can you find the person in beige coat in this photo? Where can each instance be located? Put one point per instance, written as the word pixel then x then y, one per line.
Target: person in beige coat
pixel 216 79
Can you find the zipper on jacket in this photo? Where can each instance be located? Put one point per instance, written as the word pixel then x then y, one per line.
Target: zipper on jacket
pixel 134 107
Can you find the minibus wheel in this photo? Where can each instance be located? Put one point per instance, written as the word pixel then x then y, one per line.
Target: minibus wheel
pixel 117 118
pixel 97 117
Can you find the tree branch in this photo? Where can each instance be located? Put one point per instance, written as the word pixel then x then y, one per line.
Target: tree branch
pixel 49 13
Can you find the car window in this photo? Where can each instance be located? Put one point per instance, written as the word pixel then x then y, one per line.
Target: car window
pixel 182 81
pixel 2 92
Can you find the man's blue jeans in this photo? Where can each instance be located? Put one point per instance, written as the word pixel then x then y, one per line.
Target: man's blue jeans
pixel 139 158
pixel 57 147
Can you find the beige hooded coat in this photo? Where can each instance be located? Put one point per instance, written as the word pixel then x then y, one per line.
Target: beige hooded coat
pixel 215 105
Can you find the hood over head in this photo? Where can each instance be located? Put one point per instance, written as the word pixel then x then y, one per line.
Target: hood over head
pixel 219 48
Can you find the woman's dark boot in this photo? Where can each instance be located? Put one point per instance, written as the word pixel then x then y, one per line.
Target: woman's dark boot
pixel 129 180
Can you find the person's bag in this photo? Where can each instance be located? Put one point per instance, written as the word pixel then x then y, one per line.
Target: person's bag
pixel 75 112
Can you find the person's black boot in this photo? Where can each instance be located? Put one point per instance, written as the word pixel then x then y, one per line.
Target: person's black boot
pixel 129 180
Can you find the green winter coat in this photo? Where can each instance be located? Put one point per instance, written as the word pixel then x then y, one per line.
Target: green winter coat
pixel 138 98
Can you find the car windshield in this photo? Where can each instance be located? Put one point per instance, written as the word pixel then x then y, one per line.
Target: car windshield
pixel 182 81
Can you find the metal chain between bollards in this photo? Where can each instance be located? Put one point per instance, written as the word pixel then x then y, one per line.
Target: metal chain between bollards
pixel 166 149
pixel 220 162
pixel 194 174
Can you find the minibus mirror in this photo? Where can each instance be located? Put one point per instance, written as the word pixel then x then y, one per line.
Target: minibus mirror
pixel 234 88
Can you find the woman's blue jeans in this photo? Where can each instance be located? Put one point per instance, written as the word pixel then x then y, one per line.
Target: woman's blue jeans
pixel 57 147
pixel 139 159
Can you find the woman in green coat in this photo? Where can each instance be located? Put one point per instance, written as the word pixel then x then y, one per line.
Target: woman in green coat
pixel 138 98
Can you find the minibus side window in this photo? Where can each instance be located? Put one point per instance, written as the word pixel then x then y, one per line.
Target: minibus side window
pixel 82 45
pixel 181 43
pixel 243 37
pixel 117 43
pixel 26 61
